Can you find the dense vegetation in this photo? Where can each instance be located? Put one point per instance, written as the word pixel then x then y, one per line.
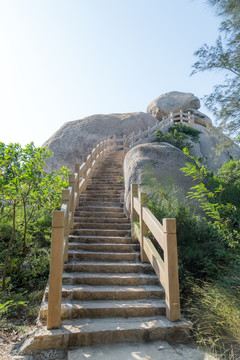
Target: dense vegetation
pixel 178 135
pixel 209 250
pixel 224 101
pixel 27 197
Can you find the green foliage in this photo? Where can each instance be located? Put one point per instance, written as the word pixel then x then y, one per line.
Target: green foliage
pixel 208 251
pixel 219 196
pixel 214 309
pixel 224 101
pixel 27 197
pixel 178 135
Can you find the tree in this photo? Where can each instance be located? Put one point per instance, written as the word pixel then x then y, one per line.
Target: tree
pixel 224 102
pixel 25 188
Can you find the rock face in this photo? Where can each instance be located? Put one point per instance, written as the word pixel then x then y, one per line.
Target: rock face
pixel 213 147
pixel 74 138
pixel 166 161
pixel 173 101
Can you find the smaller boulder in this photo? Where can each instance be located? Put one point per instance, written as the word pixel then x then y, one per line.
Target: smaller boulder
pixel 173 101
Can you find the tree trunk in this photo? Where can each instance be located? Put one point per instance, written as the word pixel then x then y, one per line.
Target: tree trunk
pixel 9 248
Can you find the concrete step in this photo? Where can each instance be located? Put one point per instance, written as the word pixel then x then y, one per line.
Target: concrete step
pixel 102 256
pixel 101 208
pixel 82 332
pixel 99 203
pixel 112 187
pixel 109 267
pixel 105 279
pixel 100 220
pixel 101 239
pixel 103 213
pixel 100 232
pixel 108 226
pixel 112 292
pixel 99 192
pixel 105 309
pixel 99 197
pixel 102 247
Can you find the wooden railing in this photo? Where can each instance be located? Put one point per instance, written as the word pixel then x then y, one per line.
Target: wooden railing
pixel 165 235
pixel 63 221
pixel 163 125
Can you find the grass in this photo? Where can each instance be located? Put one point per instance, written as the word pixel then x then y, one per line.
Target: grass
pixel 214 309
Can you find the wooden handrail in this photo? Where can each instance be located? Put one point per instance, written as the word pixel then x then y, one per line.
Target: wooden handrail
pixel 181 116
pixel 63 222
pixel 165 234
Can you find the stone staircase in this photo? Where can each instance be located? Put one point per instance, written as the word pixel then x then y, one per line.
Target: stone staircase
pixel 108 295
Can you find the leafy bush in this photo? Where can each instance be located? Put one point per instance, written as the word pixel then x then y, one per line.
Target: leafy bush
pixel 178 135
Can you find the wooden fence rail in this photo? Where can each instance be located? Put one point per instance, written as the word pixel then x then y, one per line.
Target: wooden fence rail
pixel 181 116
pixel 63 222
pixel 165 234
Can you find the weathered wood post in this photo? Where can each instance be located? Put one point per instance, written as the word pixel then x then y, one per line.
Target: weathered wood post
pixel 171 270
pixel 56 269
pixel 143 226
pixel 65 203
pixel 134 215
pixel 181 116
pixel 72 184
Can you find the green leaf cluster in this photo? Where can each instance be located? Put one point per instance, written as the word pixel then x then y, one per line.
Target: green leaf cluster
pixel 27 197
pixel 224 101
pixel 178 135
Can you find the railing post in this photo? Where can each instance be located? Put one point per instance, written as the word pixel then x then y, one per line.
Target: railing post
pixel 71 204
pixel 143 226
pixel 77 167
pixel 65 200
pixel 181 116
pixel 134 215
pixel 171 270
pixel 56 269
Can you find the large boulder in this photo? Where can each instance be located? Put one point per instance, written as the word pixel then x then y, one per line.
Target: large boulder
pixel 163 159
pixel 74 138
pixel 173 101
pixel 213 148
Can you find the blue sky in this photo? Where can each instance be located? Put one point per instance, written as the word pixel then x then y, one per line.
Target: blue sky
pixel 62 60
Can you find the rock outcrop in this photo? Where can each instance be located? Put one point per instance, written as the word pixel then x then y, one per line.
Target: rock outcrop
pixel 74 138
pixel 173 101
pixel 165 160
pixel 213 148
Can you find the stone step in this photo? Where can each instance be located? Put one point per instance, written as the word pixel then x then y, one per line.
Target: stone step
pixel 100 214
pixel 102 247
pixel 100 197
pixel 100 232
pixel 99 203
pixel 112 292
pixel 113 187
pixel 99 192
pixel 82 332
pixel 102 256
pixel 109 267
pixel 105 279
pixel 100 209
pixel 101 239
pixel 107 226
pixel 105 309
pixel 100 220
